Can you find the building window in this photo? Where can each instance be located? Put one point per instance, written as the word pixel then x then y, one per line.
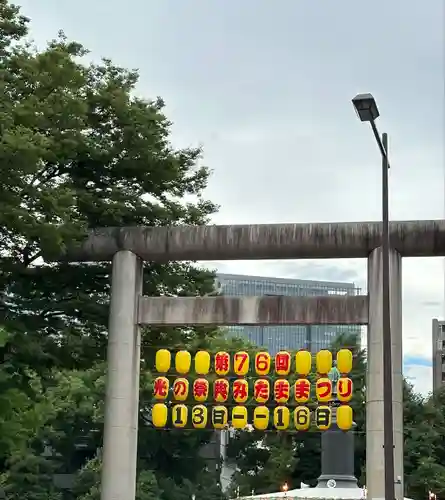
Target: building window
pixel 292 337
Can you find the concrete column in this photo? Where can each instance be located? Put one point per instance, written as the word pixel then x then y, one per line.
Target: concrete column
pixel 122 395
pixel 375 464
pixel 437 356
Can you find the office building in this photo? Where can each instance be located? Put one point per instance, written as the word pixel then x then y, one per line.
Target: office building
pixel 438 354
pixel 290 337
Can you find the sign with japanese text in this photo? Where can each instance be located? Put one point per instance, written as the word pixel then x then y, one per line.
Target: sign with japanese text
pixel 204 390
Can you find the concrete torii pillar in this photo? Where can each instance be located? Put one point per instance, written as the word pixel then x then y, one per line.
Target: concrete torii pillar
pixel 122 391
pixel 375 463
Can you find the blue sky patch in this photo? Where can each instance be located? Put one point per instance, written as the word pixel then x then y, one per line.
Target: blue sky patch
pixel 416 361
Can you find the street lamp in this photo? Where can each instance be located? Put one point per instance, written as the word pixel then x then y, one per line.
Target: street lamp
pixel 367 111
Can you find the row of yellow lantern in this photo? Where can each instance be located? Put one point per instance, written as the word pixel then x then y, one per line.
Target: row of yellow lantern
pixel 281 417
pixel 223 363
pixel 262 393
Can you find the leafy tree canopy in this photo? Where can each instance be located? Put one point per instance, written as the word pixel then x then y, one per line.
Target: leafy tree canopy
pixel 79 150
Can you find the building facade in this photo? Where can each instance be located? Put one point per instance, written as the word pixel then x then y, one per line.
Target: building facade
pixel 288 337
pixel 438 354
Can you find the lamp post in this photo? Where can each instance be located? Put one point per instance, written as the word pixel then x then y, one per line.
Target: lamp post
pixel 367 111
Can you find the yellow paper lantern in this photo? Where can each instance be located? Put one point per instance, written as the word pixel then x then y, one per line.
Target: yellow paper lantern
pixel 220 390
pixel 261 390
pixel 161 386
pixel 261 418
pixel 202 363
pixel 344 389
pixel 302 390
pixel 262 363
pixel 201 389
pixel 183 362
pixel 324 361
pixel 222 363
pixel 323 418
pixel 323 389
pixel 240 390
pixel 239 417
pixel 199 417
pixel 344 417
pixel 344 361
pixel 302 418
pixel 159 414
pixel 282 363
pixel 281 418
pixel 179 416
pixel 220 417
pixel 181 389
pixel 241 362
pixel 163 360
pixel 281 389
pixel 303 363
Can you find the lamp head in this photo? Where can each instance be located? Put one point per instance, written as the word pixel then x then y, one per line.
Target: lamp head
pixel 366 107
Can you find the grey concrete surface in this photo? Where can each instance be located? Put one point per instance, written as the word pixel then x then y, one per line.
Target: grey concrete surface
pixel 261 241
pixel 375 464
pixel 122 393
pixel 438 352
pixel 269 310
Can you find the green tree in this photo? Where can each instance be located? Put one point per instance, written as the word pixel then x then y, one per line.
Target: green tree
pixel 147 487
pixel 87 485
pixel 265 465
pixel 73 427
pixel 68 424
pixel 43 433
pixel 206 487
pixel 424 429
pixel 23 410
pixel 79 150
pixel 30 477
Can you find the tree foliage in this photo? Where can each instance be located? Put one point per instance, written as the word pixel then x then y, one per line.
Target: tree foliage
pixel 78 150
pixel 424 444
pixel 87 485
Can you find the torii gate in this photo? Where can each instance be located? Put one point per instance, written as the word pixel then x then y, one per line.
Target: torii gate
pixel 128 247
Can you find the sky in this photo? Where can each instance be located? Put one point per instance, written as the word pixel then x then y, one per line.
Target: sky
pixel 266 87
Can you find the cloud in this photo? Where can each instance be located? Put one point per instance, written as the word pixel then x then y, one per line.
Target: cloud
pixel 266 87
